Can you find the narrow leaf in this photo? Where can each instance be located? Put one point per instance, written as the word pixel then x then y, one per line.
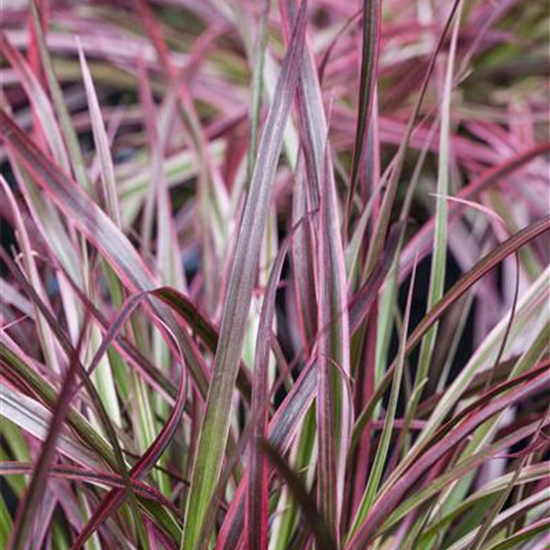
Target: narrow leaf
pixel 215 425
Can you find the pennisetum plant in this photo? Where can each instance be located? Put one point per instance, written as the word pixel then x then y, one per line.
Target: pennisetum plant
pixel 274 275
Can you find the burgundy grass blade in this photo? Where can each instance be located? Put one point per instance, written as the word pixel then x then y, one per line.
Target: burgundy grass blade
pixel 74 473
pixel 368 79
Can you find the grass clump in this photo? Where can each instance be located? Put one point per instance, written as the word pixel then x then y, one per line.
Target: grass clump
pixel 274 275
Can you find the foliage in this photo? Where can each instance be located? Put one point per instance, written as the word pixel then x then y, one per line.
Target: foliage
pixel 274 275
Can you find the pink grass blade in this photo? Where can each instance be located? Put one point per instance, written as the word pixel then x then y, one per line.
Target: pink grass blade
pixel 40 101
pixel 312 118
pixel 333 403
pixel 257 88
pixel 146 97
pixel 157 193
pixel 34 418
pixel 109 188
pixel 71 138
pixel 168 266
pixel 89 475
pixel 29 263
pixel 303 263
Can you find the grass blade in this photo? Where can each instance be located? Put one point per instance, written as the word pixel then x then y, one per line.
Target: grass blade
pixel 321 531
pixel 215 426
pixel 257 495
pixel 35 419
pixel 69 133
pixel 439 257
pixel 368 78
pixel 41 103
pixel 333 406
pixel 98 477
pixel 383 447
pixel 29 507
pixel 109 188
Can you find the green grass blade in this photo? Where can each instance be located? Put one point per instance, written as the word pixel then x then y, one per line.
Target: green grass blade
pixel 384 445
pixel 215 425
pixel 439 257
